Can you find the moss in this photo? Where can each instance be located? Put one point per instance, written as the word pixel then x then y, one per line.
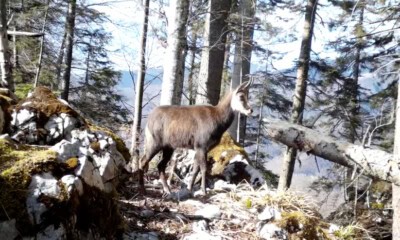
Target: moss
pixel 303 226
pixel 377 205
pixel 222 153
pixel 346 233
pixel 17 165
pixel 381 187
pixel 46 103
pixel 121 147
pixel 72 163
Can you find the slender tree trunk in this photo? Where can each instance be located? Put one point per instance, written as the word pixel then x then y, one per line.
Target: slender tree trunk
pixel 351 90
pixel 5 64
pixel 15 50
pixel 69 47
pixel 396 187
pixel 242 61
pixel 212 57
pixel 59 61
pixel 172 84
pixel 192 95
pixel 39 67
pixel 225 85
pixel 139 87
pixel 299 97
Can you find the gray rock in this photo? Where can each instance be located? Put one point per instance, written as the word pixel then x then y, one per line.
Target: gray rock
pixel 202 236
pixel 41 184
pixel 8 230
pixel 146 213
pixel 200 226
pixel 223 185
pixel 209 211
pixel 270 231
pixel 60 126
pixel 141 236
pixel 52 233
pixel 269 214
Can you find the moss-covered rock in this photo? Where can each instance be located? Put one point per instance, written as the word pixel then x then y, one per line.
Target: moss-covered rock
pixel 17 165
pixel 224 152
pixel 47 190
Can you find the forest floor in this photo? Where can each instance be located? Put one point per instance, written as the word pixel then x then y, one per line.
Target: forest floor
pixel 234 217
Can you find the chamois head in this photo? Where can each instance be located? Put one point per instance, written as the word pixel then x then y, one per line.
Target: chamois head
pixel 239 102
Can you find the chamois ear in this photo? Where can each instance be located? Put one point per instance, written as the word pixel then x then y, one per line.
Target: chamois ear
pixel 244 86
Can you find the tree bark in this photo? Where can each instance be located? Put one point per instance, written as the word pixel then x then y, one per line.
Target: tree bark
pixel 191 85
pixel 39 67
pixel 212 57
pixel 172 84
pixel 242 61
pixel 70 28
pixel 370 162
pixel 5 64
pixel 139 88
pixel 396 187
pixel 59 61
pixel 299 96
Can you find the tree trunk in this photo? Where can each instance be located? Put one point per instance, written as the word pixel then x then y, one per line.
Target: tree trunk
pixel 370 162
pixel 299 92
pixel 396 157
pixel 351 90
pixel 192 60
pixel 39 67
pixel 15 50
pixel 139 88
pixel 242 61
pixel 5 64
pixel 59 61
pixel 70 28
pixel 212 57
pixel 172 84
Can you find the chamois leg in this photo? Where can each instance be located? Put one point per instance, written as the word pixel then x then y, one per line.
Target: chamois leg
pixel 195 171
pixel 150 152
pixel 202 161
pixel 162 165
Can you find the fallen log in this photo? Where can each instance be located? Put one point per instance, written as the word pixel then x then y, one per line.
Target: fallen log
pixel 371 162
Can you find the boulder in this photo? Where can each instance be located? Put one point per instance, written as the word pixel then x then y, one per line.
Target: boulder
pixel 227 160
pixel 58 173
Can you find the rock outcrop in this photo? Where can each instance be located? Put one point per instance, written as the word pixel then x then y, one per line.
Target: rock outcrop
pixel 58 173
pixel 228 161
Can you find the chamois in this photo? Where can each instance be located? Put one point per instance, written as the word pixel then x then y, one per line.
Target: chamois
pixel 194 127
